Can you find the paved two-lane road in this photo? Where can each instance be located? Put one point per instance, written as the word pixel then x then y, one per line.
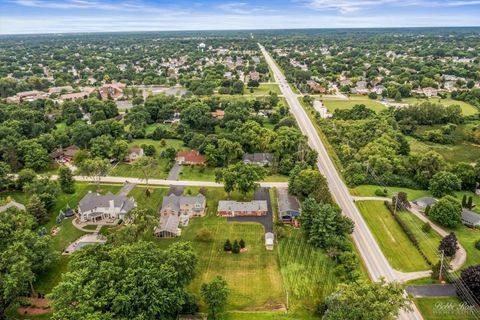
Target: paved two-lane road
pixel 373 257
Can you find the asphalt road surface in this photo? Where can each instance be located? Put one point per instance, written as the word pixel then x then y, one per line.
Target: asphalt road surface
pixel 376 263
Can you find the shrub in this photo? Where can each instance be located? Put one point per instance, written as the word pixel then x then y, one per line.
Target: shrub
pixel 426 227
pixel 227 246
pixel 381 193
pixel 477 244
pixel 204 235
pixel 242 243
pixel 235 247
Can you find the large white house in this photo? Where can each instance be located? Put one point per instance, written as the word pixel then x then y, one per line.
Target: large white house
pixel 95 207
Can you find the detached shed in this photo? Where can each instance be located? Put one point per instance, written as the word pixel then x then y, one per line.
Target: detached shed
pixel 269 240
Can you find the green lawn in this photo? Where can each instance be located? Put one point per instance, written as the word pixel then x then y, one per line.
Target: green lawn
pixel 443 308
pixel 467 109
pixel 396 246
pixel 467 237
pixel 281 315
pixel 254 276
pixel 154 201
pixel 460 152
pixel 265 89
pixel 428 242
pixel 127 170
pixel 308 274
pixel 369 191
pixel 67 233
pixel 197 173
pixel 348 104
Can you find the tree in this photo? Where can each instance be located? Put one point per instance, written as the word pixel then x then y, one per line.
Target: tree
pixel 119 150
pixel 447 211
pixel 470 277
pixel 309 183
pixel 444 183
pixel 400 201
pixel 240 176
pixel 125 282
pixel 242 244
pixel 373 95
pixel 448 245
pixel 366 300
pixel 146 165
pixel 324 225
pixel 65 178
pixel 4 175
pixel 215 295
pixel 94 168
pixel 24 254
pixel 36 208
pixel 227 246
pixel 235 247
pixel 34 155
pixel 25 176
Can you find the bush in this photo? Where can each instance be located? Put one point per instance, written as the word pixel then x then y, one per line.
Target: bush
pixel 426 227
pixel 227 246
pixel 204 235
pixel 381 193
pixel 477 244
pixel 235 247
pixel 242 243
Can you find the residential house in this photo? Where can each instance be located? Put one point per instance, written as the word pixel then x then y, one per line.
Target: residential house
pixel 74 96
pixel 57 90
pixel 12 204
pixel 177 210
pixel 254 75
pixel 134 153
pixel 288 207
pixel 361 88
pixel 315 87
pixel 112 90
pixel 191 157
pixel 424 202
pixel 269 240
pixel 95 207
pixel 262 159
pixel 64 155
pixel 470 218
pixel 218 114
pixel 27 96
pixel 430 92
pixel 236 208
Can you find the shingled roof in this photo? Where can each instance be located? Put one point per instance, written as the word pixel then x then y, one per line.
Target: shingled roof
pixel 94 200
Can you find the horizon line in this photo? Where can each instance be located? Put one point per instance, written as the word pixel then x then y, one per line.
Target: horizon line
pixel 239 29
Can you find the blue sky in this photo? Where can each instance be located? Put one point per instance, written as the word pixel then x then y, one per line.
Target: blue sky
pixel 58 16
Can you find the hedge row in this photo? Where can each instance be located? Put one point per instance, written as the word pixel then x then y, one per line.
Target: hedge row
pixel 408 232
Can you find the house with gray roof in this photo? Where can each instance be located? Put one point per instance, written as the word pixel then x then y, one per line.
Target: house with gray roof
pixel 470 218
pixel 236 208
pixel 260 158
pixel 191 206
pixel 12 204
pixel 95 207
pixel 424 202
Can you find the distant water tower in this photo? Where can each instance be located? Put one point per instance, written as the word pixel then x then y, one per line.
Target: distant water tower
pixel 201 46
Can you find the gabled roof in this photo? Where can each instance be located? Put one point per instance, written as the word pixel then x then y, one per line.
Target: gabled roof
pixel 94 200
pixel 470 217
pixel 175 202
pixel 168 223
pixel 191 156
pixel 425 201
pixel 258 157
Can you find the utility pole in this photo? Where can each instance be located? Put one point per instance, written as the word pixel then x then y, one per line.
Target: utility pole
pixel 441 267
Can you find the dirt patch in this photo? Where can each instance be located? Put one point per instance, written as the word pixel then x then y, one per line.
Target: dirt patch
pixel 38 306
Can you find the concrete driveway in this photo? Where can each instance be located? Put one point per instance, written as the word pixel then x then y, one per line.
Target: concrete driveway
pixel 266 221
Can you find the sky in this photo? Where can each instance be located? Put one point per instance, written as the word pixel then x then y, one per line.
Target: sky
pixel 57 16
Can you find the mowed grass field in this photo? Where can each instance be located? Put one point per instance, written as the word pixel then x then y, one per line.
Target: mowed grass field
pixel 264 89
pixel 348 104
pixel 444 308
pixel 391 238
pixel 253 276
